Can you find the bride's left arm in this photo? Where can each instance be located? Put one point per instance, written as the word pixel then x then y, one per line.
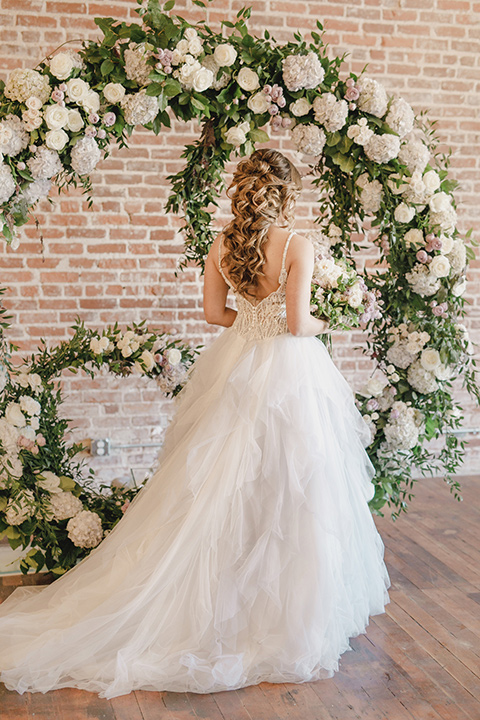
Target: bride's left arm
pixel 215 291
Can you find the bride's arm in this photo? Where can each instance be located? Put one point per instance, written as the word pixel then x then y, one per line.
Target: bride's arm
pixel 300 269
pixel 215 291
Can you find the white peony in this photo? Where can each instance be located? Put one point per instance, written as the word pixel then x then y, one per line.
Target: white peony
pixel 248 79
pixel 440 202
pixel 259 103
pixel 56 117
pixel 113 93
pixel 440 266
pixel 48 481
pixel 225 55
pixel 237 134
pixel 430 359
pixel 77 90
pixel 300 107
pixel 29 405
pixel 61 65
pixel 404 213
pixel 85 529
pixel 14 415
pixel 56 139
pixel 65 505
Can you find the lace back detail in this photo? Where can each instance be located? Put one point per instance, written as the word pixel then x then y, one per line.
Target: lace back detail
pixel 268 317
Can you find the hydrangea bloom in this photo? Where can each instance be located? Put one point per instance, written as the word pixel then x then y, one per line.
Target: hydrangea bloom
pixel 309 139
pixel 45 163
pixel 24 84
pixel 421 379
pixel 65 505
pixel 85 155
pixel 136 64
pixel 302 71
pixel 13 137
pixel 414 154
pixel 85 529
pixel 400 117
pixel 372 98
pixel 371 193
pixel 7 183
pixel 382 148
pixel 402 428
pixel 139 108
pixel 330 112
pixel 422 281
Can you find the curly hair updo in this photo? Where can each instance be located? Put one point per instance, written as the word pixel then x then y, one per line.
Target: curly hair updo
pixel 265 186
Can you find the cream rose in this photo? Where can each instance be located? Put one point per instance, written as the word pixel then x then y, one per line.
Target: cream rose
pixel 404 213
pixel 440 266
pixel 148 360
pixel 33 103
pixel 77 90
pixel 174 356
pixel 356 296
pixel 440 202
pixel 113 93
pixel 237 135
pixel 248 79
pixel 259 103
pixel 414 238
pixel 459 288
pixel 430 359
pixel 14 415
pixel 300 107
pixel 202 79
pixel 47 480
pixel 56 117
pixel 61 65
pixel 225 55
pixel 74 121
pixel 431 181
pixel 447 244
pixel 56 139
pixel 91 101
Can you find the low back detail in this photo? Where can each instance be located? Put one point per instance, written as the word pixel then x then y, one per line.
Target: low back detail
pixel 268 317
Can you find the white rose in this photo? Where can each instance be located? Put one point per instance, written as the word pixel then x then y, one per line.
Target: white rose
pixel 237 135
pixel 56 139
pixel 47 480
pixel 28 432
pixel 91 101
pixel 225 55
pixel 56 117
pixel 77 90
pixel 14 415
pixel 356 296
pixel 126 351
pixel 248 79
pixel 61 65
pixel 33 103
pixel 300 107
pixel 404 213
pixel 74 121
pixel 195 46
pixel 440 202
pixel 190 33
pixel 447 243
pixel 459 288
pixel 431 180
pixel 414 238
pixel 259 103
pixel 113 93
pixel 202 79
pixel 440 266
pixel 430 359
pixel 182 46
pixel 174 356
pixel 148 360
pixel 29 405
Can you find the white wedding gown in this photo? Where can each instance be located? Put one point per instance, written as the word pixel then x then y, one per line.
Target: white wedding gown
pixel 250 555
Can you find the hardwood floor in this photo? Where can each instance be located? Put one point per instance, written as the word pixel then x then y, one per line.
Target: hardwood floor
pixel 418 661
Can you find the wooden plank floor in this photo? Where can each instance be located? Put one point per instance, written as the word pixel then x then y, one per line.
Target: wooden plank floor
pixel 418 661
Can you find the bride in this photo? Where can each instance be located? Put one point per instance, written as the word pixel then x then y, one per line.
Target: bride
pixel 251 554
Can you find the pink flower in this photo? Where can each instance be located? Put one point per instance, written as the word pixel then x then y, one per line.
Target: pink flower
pixel 101 134
pixel 422 256
pixel 93 118
pixel 437 310
pixel 109 119
pixel 352 94
pixel 40 440
pixel 58 95
pixel 125 506
pixel 281 102
pixel 286 122
pixel 63 87
pixel 90 131
pixel 273 110
pixel 350 82
pixel 372 404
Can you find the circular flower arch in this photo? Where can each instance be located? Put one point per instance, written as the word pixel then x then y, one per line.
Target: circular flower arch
pixel 374 163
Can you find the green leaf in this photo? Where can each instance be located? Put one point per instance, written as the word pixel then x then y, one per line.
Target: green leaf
pixel 470 252
pixel 154 89
pixel 169 5
pixel 67 484
pixel 106 67
pixel 258 135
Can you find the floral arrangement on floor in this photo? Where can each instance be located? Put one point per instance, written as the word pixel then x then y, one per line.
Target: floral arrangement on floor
pixel 46 503
pixel 372 159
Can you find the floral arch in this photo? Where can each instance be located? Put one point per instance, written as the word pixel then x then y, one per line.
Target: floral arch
pixel 373 162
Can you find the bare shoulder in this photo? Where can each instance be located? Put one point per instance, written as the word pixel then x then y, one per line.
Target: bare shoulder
pixel 300 247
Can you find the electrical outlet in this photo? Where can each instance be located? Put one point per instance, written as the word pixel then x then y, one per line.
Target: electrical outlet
pixel 100 447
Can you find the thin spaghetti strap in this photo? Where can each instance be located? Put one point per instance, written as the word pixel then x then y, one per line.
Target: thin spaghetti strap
pixel 283 270
pixel 220 266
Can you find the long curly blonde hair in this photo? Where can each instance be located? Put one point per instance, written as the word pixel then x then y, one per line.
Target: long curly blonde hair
pixel 265 185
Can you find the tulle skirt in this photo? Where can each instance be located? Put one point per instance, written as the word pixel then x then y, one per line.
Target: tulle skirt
pixel 251 554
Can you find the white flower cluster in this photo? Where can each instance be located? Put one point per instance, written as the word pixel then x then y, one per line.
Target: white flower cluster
pixel 7 183
pixel 421 379
pixel 62 64
pixel 442 213
pixel 209 62
pixel 139 108
pixel 99 345
pixel 422 281
pixel 237 134
pixel 191 74
pixel 457 256
pixel 44 163
pixel 64 505
pixel 323 241
pixel 327 272
pixel 302 71
pixel 13 137
pixel 406 345
pixel 371 193
pixel 300 107
pixel 400 117
pixel 360 132
pixel 24 84
pixel 174 373
pixel 330 112
pixel 382 148
pixel 372 98
pixel 146 362
pixel 20 507
pixel 137 67
pixel 85 155
pixel 79 92
pixel 26 379
pixel 418 189
pixel 10 463
pixel 128 343
pixel 414 153
pixel 309 139
pixel 404 213
pixel 402 428
pixel 35 191
pixel 85 529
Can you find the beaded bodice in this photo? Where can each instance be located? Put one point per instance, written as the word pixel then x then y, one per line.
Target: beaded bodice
pixel 266 318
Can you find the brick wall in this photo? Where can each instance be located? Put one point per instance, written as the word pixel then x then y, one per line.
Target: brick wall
pixel 117 261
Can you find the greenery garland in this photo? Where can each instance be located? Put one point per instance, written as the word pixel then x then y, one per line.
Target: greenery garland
pixel 46 502
pixel 372 160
